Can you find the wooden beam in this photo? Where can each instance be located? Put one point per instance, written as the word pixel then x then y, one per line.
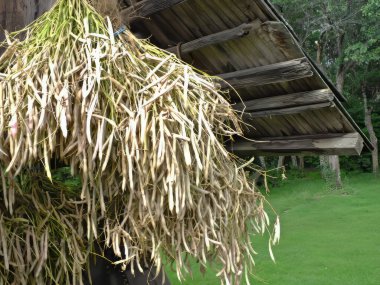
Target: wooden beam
pixel 147 8
pixel 276 33
pixel 288 110
pixel 268 74
pixel 340 144
pixel 288 100
pixel 313 136
pixel 217 38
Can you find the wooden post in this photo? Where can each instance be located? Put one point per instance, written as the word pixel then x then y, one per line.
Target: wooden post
pixel 262 162
pixel 294 161
pixel 280 163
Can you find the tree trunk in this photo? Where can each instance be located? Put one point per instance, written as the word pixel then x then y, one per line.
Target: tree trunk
pixel 332 162
pixel 302 162
pixel 323 159
pixel 320 49
pixel 340 79
pixel 330 170
pixel 335 167
pixel 372 135
pixel 324 164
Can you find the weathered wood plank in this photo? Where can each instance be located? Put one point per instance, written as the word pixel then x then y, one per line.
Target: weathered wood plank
pixel 16 14
pixel 217 38
pixel 288 110
pixel 146 8
pixel 313 136
pixel 341 144
pixel 268 74
pixel 288 100
pixel 276 33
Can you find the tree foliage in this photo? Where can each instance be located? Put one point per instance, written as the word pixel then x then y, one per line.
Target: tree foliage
pixel 343 36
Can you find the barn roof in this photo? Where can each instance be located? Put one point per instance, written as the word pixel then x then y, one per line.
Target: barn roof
pixel 290 104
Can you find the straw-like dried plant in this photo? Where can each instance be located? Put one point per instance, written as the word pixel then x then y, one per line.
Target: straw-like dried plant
pixel 144 132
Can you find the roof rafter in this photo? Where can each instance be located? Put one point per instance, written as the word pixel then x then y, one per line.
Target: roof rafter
pixel 289 110
pixel 268 74
pixel 217 38
pixel 147 8
pixel 287 101
pixel 341 144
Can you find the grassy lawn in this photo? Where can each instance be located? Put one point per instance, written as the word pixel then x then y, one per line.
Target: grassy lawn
pixel 327 237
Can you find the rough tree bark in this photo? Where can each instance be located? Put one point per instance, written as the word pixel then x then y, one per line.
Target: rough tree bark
pixel 332 162
pixel 302 162
pixel 320 49
pixel 343 68
pixel 372 134
pixel 335 167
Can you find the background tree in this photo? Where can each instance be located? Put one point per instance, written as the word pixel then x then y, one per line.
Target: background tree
pixel 344 39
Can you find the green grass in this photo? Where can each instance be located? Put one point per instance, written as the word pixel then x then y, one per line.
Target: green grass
pixel 327 237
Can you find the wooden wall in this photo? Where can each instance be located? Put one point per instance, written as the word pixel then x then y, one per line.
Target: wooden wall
pixel 16 14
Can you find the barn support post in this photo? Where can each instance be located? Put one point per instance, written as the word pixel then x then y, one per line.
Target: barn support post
pixel 280 163
pixel 262 162
pixel 294 162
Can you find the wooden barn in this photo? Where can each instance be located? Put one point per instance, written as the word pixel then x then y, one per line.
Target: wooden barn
pixel 289 104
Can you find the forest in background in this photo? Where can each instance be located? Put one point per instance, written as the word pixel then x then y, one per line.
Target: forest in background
pixel 343 37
